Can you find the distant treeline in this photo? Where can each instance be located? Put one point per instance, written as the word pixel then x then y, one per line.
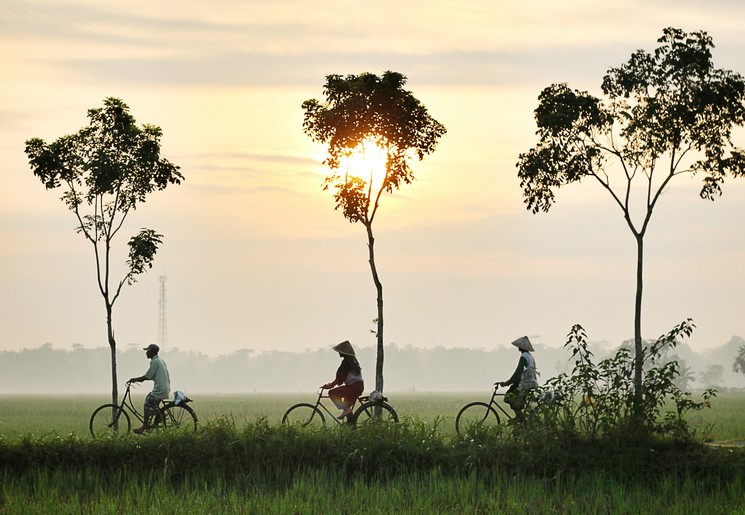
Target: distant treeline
pixel 47 370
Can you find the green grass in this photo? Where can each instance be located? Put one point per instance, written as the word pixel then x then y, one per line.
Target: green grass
pixel 38 415
pixel 405 468
pixel 244 461
pixel 67 414
pixel 726 417
pixel 332 492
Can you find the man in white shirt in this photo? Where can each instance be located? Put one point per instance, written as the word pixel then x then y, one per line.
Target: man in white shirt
pixel 158 373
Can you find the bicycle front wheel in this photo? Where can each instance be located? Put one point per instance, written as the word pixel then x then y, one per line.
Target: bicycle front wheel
pixel 109 420
pixel 304 415
pixel 179 416
pixel 365 414
pixel 475 414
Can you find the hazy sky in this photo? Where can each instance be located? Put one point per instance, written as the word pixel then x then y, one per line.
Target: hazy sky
pixel 254 253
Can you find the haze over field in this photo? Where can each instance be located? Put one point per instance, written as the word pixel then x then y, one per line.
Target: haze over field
pixel 254 253
pixel 47 369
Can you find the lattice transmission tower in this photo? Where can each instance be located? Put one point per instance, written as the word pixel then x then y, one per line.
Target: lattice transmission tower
pixel 162 325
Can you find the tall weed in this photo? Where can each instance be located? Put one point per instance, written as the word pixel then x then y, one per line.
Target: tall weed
pixel 597 399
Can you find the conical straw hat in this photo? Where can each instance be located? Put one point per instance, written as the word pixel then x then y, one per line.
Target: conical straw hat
pixel 344 348
pixel 523 343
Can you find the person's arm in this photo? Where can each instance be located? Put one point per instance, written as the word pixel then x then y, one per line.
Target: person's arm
pixel 518 372
pixel 137 379
pixel 341 375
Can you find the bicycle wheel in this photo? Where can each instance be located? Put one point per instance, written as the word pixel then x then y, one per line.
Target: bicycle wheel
pixel 475 413
pixel 109 420
pixel 365 414
pixel 305 415
pixel 179 416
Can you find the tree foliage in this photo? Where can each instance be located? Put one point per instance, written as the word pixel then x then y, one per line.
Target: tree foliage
pixel 663 114
pixel 105 170
pixel 739 363
pixel 666 113
pixel 361 111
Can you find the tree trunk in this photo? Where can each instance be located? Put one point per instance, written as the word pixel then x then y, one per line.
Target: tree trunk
pixel 638 342
pixel 379 331
pixel 112 347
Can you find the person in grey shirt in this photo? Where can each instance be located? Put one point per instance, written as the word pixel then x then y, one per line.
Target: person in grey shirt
pixel 524 379
pixel 158 373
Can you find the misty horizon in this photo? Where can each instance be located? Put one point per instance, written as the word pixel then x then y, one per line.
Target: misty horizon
pixel 48 370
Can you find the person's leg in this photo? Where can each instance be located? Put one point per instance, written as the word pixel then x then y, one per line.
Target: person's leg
pixel 336 395
pixel 150 409
pixel 340 396
pixel 355 390
pixel 351 393
pixel 520 397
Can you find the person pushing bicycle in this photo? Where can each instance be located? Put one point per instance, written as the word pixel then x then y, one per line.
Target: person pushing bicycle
pixel 349 376
pixel 523 379
pixel 158 373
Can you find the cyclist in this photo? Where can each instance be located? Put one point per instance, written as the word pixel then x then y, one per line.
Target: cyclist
pixel 349 377
pixel 524 378
pixel 158 373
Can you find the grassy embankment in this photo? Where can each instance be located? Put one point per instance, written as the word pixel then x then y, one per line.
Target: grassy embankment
pixel 244 464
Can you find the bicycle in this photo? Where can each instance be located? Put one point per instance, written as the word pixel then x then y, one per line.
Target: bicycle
pixel 110 419
pixel 311 415
pixel 481 413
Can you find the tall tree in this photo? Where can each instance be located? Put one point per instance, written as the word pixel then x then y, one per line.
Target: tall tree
pixel 106 169
pixel 364 115
pixel 665 114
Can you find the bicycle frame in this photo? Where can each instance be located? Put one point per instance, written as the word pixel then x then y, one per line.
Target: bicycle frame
pixel 494 404
pixel 129 405
pixel 334 417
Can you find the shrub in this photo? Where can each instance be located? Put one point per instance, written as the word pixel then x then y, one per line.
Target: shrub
pixel 597 400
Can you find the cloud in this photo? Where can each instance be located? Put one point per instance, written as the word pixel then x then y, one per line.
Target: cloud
pixel 261 70
pixel 268 44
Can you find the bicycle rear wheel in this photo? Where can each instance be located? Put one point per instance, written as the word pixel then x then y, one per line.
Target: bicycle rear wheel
pixel 475 414
pixel 365 414
pixel 109 420
pixel 179 416
pixel 304 415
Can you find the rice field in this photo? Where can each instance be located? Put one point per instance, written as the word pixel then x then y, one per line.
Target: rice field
pixel 244 462
pixel 62 415
pixel 331 492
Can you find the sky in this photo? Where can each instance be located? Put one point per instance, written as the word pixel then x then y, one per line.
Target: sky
pixel 254 253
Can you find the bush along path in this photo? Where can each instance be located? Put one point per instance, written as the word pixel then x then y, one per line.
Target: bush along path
pixel 276 453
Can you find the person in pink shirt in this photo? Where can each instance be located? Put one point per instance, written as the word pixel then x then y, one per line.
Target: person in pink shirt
pixel 348 385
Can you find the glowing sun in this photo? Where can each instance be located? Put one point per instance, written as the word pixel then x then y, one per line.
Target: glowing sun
pixel 367 162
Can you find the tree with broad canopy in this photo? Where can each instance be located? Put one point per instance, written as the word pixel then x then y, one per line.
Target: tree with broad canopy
pixel 106 169
pixel 363 111
pixel 664 114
